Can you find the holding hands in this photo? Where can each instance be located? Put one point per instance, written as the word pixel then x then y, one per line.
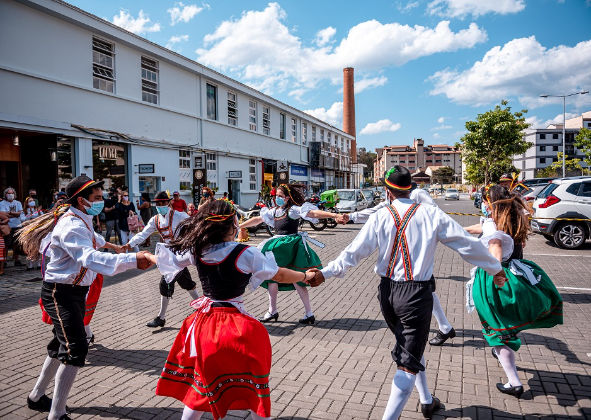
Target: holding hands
pixel 342 219
pixel 316 279
pixel 145 260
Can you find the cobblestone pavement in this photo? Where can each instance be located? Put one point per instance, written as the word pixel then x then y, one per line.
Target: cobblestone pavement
pixel 340 368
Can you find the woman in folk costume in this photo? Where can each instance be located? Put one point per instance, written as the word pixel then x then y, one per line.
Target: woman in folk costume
pixel 528 299
pixel 221 358
pixel 165 223
pixel 289 246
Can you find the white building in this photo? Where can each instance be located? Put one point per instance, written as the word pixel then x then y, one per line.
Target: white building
pixel 83 96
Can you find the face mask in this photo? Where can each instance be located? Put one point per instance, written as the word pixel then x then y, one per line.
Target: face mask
pixel 95 207
pixel 205 194
pixel 55 197
pixel 125 198
pixel 10 197
pixel 31 204
pixel 162 210
pixel 484 210
pixel 280 201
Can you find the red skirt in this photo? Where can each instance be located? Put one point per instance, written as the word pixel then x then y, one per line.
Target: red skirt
pixel 231 369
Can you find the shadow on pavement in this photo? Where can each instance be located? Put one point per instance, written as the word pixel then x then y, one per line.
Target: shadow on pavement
pixel 354 324
pixel 454 278
pixel 149 361
pixel 115 412
pixel 567 388
pixel 576 298
pixel 478 412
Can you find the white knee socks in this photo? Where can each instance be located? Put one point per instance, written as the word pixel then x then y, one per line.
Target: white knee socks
pixel 273 290
pixel 401 389
pixel 66 374
pixel 88 331
pixel 255 416
pixel 422 386
pixel 442 322
pixel 163 306
pixel 507 359
pixel 189 414
pixel 48 372
pixel 194 294
pixel 305 297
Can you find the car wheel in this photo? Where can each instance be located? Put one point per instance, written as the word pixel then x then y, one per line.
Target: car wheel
pixel 569 235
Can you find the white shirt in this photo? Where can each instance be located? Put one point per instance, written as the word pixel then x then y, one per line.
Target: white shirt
pixel 71 249
pixel 13 206
pixel 428 226
pixel 150 228
pixel 295 212
pixel 417 195
pixel 490 232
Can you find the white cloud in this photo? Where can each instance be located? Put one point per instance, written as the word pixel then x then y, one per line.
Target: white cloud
pixel 258 46
pixel 138 25
pixel 409 6
pixel 176 39
pixel 381 126
pixel 462 8
pixel 324 36
pixel 333 115
pixel 440 120
pixel 436 136
pixel 539 123
pixel 183 13
pixel 442 127
pixel 522 68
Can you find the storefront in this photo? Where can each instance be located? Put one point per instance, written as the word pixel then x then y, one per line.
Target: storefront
pixel 109 163
pixel 298 174
pixel 317 180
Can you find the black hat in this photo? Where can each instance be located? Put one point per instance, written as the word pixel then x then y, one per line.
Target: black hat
pixel 79 184
pixel 506 177
pixel 161 196
pixel 398 178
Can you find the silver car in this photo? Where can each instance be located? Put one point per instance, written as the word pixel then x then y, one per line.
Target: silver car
pixel 452 194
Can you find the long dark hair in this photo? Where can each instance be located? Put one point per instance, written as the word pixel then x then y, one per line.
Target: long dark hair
pixel 295 194
pixel 509 213
pixel 208 227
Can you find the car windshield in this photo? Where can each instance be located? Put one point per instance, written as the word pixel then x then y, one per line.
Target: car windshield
pixel 547 191
pixel 347 195
pixel 451 190
pixel 367 193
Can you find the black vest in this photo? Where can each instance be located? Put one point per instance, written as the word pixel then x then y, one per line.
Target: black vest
pixel 285 225
pixel 223 280
pixel 517 252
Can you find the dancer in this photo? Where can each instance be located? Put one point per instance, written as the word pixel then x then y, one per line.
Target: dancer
pixel 528 300
pixel 445 330
pixel 289 246
pixel 165 223
pixel 406 234
pixel 221 358
pixel 67 238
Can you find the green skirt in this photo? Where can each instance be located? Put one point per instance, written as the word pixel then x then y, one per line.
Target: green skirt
pixel 517 306
pixel 290 252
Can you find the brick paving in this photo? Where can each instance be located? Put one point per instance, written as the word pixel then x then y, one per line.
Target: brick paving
pixel 341 368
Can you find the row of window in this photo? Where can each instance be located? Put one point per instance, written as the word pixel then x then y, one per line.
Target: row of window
pixel 543 160
pixel 543 136
pixel 543 148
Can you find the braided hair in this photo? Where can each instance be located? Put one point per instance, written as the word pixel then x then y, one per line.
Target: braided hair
pixel 509 213
pixel 208 227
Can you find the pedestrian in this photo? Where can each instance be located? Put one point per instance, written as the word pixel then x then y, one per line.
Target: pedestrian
pixel 112 217
pixel 178 203
pixel 67 238
pixel 33 195
pixel 145 208
pixel 32 212
pixel 4 219
pixel 221 358
pixel 191 210
pixel 525 299
pixel 406 236
pixel 126 209
pixel 208 197
pixel 166 223
pixel 289 246
pixel 14 210
pixel 273 193
pixel 59 198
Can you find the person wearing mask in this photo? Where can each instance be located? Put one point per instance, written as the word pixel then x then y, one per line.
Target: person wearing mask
pixel 59 198
pixel 33 195
pixel 126 209
pixel 178 203
pixel 3 221
pixel 32 212
pixel 208 197
pixel 14 209
pixel 145 208
pixel 112 216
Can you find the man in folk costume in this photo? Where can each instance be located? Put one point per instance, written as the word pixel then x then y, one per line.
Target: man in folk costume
pixel 165 223
pixel 67 238
pixel 406 234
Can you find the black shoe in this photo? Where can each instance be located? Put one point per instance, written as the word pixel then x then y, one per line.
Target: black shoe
pixel 308 320
pixel 428 409
pixel 516 391
pixel 90 339
pixel 18 264
pixel 494 353
pixel 441 338
pixel 268 317
pixel 156 322
pixel 43 404
pixel 64 417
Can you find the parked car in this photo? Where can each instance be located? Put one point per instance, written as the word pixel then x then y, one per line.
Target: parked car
pixel 564 198
pixel 351 200
pixel 452 194
pixel 536 181
pixel 370 195
pixel 533 192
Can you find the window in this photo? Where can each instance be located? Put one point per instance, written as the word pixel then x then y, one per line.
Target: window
pixel 185 185
pixel 212 101
pixel 555 136
pixel 304 133
pixel 282 126
pixel 184 159
pixel 573 188
pixel 211 162
pixel 542 148
pixel 554 159
pixel 252 115
pixel 266 120
pixel 555 148
pixel 542 136
pixel 103 57
pixel 232 111
pixel 150 80
pixel 321 135
pixel 253 174
pixel 294 137
pixel 342 142
pixel 329 138
pixel 313 134
pixel 585 190
pixel 542 160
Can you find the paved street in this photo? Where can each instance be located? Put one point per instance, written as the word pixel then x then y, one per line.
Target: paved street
pixel 340 368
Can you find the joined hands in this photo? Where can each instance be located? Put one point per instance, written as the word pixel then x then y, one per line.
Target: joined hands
pixel 145 260
pixel 317 277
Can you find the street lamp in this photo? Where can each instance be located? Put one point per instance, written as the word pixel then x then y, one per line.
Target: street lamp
pixel 564 124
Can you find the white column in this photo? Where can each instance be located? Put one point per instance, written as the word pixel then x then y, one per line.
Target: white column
pixel 82 157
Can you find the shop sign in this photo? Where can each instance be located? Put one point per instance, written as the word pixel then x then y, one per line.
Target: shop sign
pixel 235 174
pixel 317 173
pixel 281 166
pixel 282 176
pixel 146 168
pixel 107 152
pixel 268 177
pixel 298 170
pixel 199 161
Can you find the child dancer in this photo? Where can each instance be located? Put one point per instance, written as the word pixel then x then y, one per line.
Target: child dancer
pixel 221 358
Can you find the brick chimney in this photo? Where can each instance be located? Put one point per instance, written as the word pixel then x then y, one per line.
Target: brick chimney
pixel 349 109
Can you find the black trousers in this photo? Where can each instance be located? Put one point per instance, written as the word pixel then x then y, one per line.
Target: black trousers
pixel 407 307
pixel 183 279
pixel 66 304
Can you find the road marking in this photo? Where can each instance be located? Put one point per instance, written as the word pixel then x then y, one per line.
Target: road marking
pixel 574 288
pixel 560 255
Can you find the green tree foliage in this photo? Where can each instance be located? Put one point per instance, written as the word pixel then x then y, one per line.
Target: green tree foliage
pixel 583 143
pixel 475 175
pixel 573 168
pixel 443 175
pixel 492 140
pixel 367 158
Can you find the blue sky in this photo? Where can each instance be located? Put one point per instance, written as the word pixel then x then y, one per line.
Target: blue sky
pixel 422 67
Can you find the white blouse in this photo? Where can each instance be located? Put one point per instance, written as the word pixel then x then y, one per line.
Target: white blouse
pixel 295 212
pixel 490 232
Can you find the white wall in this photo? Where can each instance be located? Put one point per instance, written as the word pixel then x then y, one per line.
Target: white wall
pixel 163 167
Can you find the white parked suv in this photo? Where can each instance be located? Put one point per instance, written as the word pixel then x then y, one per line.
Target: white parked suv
pixel 564 198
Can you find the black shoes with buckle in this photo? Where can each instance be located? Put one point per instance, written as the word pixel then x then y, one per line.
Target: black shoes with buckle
pixel 428 409
pixel 441 338
pixel 308 320
pixel 43 404
pixel 157 322
pixel 268 317
pixel 516 391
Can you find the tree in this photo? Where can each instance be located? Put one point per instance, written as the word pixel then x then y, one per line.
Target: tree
pixel 367 158
pixel 583 143
pixel 555 170
pixel 475 175
pixel 493 139
pixel 444 175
